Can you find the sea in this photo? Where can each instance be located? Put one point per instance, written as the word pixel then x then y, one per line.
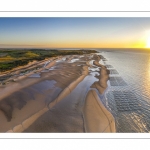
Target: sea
pixel 128 94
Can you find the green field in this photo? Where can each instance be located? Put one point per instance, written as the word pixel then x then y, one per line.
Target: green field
pixel 10 59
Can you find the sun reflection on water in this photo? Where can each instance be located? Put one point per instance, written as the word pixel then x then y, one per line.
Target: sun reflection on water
pixel 146 78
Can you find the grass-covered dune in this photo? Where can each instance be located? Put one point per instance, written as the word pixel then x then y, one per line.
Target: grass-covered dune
pixel 10 59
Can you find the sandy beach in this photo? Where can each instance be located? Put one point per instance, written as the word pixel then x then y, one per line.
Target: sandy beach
pixel 61 96
pixel 102 121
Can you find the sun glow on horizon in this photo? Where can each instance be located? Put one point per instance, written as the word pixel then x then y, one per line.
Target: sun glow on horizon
pixel 51 32
pixel 148 42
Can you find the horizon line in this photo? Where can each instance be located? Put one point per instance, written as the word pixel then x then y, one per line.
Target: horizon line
pixel 74 48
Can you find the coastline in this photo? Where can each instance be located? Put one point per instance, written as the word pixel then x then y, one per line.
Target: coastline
pixel 97 117
pixel 68 74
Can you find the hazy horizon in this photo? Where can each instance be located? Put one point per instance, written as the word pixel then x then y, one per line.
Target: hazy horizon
pixel 72 32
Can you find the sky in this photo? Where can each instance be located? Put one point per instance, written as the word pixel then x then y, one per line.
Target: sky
pixel 102 32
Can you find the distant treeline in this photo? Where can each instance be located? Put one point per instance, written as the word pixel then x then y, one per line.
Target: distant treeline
pixel 10 59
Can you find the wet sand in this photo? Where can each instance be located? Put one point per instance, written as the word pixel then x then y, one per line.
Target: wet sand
pixel 56 99
pixel 101 85
pixel 97 117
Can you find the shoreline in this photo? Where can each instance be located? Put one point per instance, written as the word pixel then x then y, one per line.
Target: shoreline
pixel 97 117
pixel 93 107
pixel 68 75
